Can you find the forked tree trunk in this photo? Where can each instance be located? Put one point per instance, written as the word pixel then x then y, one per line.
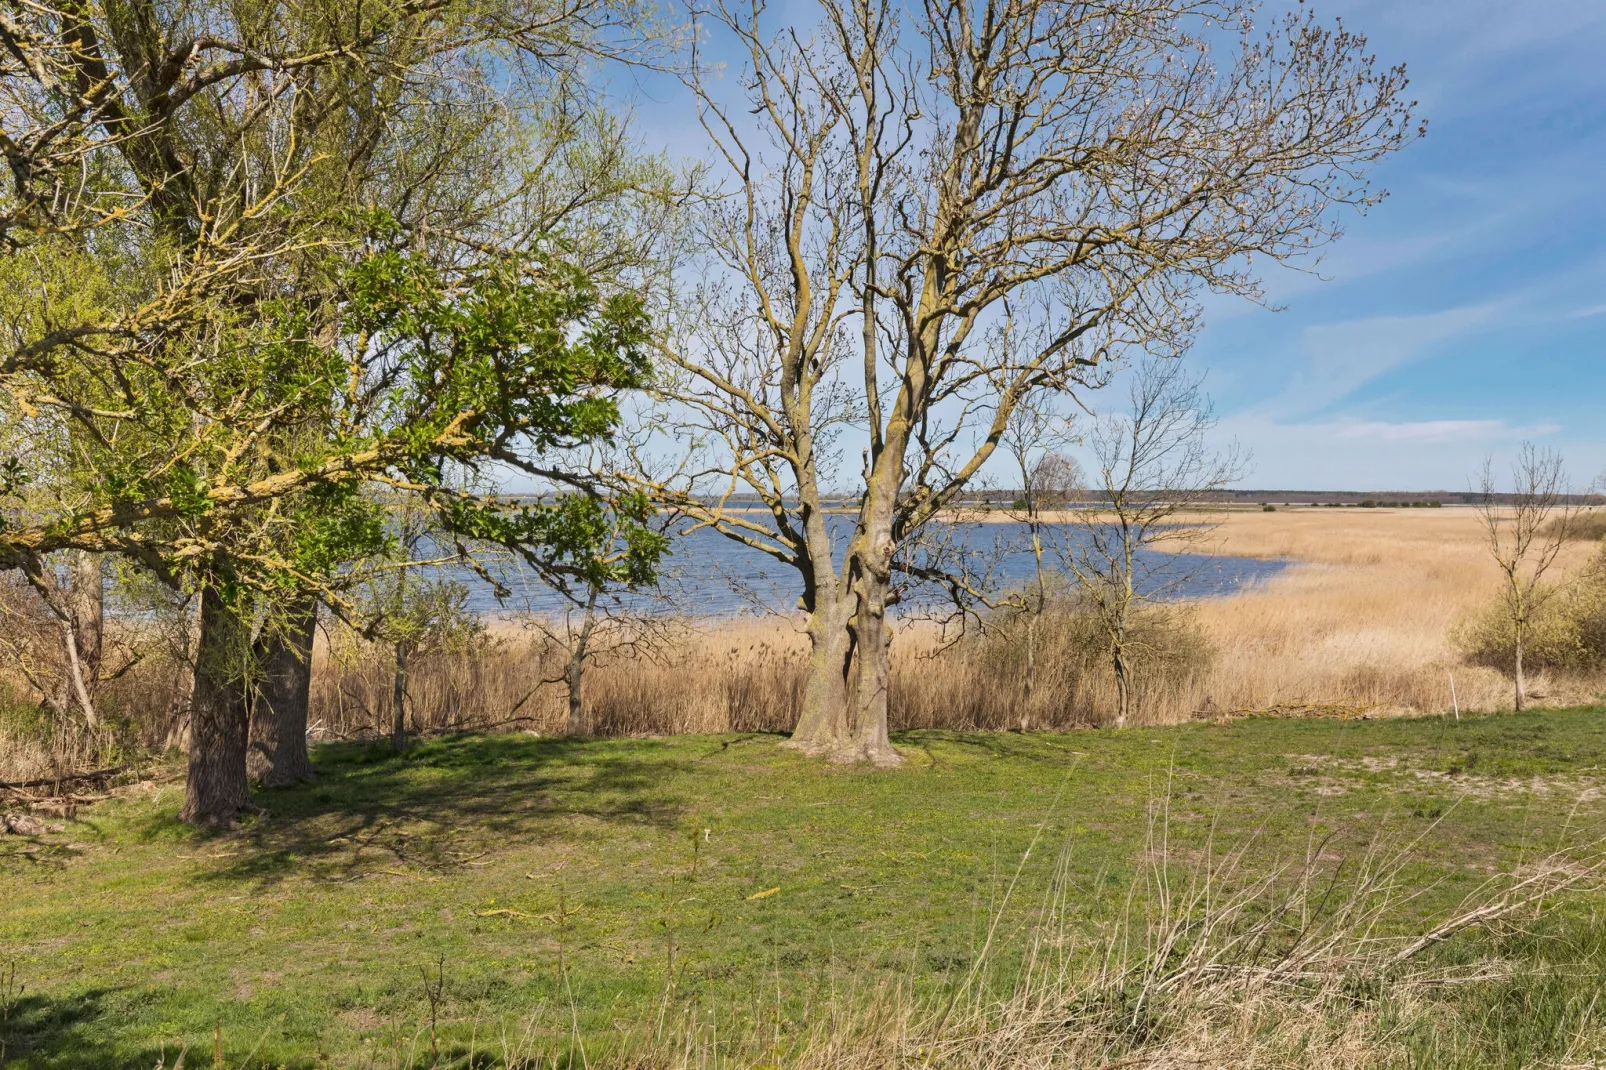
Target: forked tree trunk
pixel 844 714
pixel 216 792
pixel 278 756
pixel 82 623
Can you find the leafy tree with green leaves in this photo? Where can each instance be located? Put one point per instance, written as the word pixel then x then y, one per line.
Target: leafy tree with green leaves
pixel 207 167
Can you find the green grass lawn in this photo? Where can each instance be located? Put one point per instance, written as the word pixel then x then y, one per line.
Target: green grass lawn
pixel 575 879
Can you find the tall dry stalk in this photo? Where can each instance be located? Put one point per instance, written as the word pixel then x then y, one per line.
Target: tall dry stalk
pixel 1218 962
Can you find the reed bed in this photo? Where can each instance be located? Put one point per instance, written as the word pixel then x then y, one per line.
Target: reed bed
pixel 1361 623
pixel 1364 615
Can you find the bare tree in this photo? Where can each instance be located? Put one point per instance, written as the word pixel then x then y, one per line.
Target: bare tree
pixel 1525 531
pixel 53 634
pixel 1155 467
pixel 895 177
pixel 1050 481
pixel 598 625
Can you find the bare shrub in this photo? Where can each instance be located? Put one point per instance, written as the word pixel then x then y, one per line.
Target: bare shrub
pixel 1586 525
pixel 1526 530
pixel 975 684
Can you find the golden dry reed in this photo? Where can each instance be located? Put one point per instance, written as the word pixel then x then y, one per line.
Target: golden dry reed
pixel 1359 623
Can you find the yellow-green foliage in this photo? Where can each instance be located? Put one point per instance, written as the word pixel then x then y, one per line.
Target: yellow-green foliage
pixel 1566 631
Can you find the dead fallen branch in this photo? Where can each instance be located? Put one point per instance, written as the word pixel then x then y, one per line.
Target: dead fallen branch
pixel 65 778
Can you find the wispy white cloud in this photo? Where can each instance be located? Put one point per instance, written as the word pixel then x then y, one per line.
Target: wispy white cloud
pixel 1355 454
pixel 1337 359
pixel 1433 431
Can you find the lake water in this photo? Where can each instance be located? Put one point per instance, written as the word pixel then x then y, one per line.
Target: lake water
pixel 707 574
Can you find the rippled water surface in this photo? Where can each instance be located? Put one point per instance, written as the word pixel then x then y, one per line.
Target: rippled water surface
pixel 710 575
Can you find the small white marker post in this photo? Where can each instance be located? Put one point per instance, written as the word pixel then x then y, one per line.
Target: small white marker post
pixel 1453 703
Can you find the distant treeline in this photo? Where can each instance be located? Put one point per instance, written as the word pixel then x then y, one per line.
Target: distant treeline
pixel 1382 499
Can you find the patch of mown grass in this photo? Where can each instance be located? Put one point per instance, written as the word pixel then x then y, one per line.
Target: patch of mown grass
pixel 627 879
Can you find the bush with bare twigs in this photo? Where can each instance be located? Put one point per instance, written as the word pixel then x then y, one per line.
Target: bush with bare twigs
pixel 1567 631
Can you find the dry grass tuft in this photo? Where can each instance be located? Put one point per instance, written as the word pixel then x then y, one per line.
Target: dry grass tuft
pixel 1219 963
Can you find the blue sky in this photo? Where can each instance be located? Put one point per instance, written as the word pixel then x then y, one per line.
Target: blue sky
pixel 1463 314
pixel 1466 312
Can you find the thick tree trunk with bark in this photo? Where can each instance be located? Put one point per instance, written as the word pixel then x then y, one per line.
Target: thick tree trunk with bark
pixel 844 714
pixel 822 723
pixel 872 640
pixel 278 756
pixel 217 792
pixel 398 727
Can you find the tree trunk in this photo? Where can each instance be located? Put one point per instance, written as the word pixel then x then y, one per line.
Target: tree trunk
pixel 822 723
pixel 1030 683
pixel 398 728
pixel 1521 684
pixel 1123 687
pixel 872 640
pixel 217 791
pixel 278 755
pixel 1034 621
pixel 845 693
pixel 574 678
pixel 574 672
pixel 82 620
pixel 86 601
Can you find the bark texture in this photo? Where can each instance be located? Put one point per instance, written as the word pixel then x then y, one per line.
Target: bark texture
pixel 823 720
pixel 217 792
pixel 398 699
pixel 278 756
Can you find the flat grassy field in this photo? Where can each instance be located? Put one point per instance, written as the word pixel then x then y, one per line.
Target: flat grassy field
pixel 594 888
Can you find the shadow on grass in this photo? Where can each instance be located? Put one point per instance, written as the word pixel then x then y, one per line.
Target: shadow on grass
pixel 446 803
pixel 1051 749
pixel 47 1032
